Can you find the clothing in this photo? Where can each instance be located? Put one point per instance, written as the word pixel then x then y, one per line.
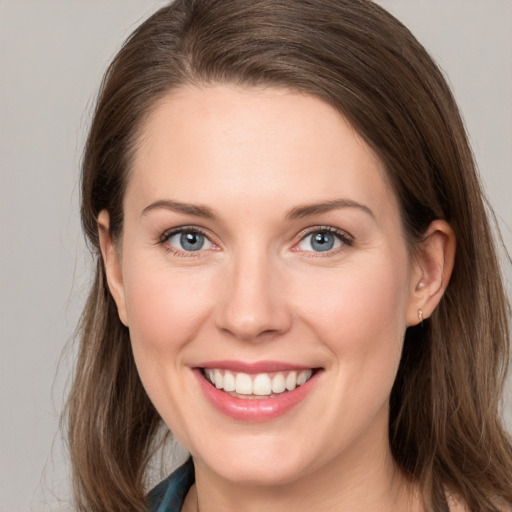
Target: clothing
pixel 169 495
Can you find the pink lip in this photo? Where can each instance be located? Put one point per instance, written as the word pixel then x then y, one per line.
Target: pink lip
pixel 255 367
pixel 254 410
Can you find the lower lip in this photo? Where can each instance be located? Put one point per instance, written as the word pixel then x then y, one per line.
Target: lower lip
pixel 257 409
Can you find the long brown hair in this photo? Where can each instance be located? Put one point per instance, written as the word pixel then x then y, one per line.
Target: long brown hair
pixel 445 430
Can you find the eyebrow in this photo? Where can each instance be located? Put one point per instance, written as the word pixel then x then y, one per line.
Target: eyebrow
pixel 300 212
pixel 176 206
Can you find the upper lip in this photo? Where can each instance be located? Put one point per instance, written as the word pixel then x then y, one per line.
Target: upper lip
pixel 253 367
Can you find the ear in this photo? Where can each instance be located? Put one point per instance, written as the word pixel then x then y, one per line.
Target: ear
pixel 112 264
pixel 432 269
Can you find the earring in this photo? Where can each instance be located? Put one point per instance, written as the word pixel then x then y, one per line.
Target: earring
pixel 420 316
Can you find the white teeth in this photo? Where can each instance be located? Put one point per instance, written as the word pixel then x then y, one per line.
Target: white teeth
pixel 291 381
pixel 303 377
pixel 243 384
pixel 278 383
pixel 229 381
pixel 261 384
pixel 218 379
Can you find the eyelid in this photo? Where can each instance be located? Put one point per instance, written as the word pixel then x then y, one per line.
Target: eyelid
pixel 169 233
pixel 346 239
pixel 180 229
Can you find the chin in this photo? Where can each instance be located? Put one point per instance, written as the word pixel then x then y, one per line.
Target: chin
pixel 251 462
pixel 276 472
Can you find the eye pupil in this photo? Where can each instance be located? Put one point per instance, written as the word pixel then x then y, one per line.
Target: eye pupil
pixel 192 241
pixel 322 241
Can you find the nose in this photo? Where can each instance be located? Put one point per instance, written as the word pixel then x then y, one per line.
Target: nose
pixel 252 305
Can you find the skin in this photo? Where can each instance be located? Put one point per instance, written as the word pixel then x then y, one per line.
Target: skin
pixel 259 291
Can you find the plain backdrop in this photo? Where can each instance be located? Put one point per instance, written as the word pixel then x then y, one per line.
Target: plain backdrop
pixel 52 56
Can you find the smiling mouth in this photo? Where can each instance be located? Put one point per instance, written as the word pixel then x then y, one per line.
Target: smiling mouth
pixel 256 386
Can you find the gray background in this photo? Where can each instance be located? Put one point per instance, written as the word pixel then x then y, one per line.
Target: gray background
pixel 52 56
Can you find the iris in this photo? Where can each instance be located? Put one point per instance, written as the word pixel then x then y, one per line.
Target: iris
pixel 322 241
pixel 192 241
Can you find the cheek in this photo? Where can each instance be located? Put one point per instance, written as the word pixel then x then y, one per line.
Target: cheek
pixel 165 308
pixel 360 318
pixel 360 297
pixel 165 312
pixel 359 312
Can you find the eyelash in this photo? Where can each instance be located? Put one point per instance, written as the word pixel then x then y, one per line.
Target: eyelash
pixel 345 239
pixel 177 231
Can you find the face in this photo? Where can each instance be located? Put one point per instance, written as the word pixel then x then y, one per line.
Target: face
pixel 265 280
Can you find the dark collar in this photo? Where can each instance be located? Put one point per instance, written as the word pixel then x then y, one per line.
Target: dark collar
pixel 169 495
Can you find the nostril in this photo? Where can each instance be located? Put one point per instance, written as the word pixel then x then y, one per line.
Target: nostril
pixel 251 305
pixel 259 324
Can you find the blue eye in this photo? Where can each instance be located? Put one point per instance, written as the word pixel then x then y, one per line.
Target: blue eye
pixel 322 240
pixel 188 241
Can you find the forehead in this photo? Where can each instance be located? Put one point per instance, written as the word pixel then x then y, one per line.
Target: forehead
pixel 233 144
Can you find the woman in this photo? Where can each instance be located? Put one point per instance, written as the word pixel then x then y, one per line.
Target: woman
pixel 295 272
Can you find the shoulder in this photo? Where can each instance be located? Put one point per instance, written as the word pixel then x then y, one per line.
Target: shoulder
pixel 169 495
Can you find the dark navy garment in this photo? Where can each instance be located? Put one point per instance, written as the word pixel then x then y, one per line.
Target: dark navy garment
pixel 169 495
